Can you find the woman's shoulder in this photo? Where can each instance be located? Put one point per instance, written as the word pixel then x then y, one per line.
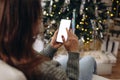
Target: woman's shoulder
pixel 8 72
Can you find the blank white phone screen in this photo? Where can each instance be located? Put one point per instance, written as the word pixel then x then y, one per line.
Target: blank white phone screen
pixel 62 29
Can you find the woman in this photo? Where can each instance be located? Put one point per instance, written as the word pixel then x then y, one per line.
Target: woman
pixel 19 26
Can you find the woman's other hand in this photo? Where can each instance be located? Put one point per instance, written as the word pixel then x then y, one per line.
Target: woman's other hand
pixel 53 42
pixel 72 43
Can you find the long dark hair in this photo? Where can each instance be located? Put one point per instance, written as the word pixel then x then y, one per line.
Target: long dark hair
pixel 18 27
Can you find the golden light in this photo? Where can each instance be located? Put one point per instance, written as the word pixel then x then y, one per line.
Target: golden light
pixel 77 26
pixel 86 8
pixel 82 19
pixel 86 23
pixel 114 8
pixel 117 1
pixel 44 12
pixel 67 18
pixel 91 40
pixel 54 6
pixel 82 29
pixel 51 33
pixel 47 14
pixel 81 23
pixel 108 12
pixel 88 38
pixel 87 42
pixel 100 21
pixel 59 12
pixel 111 15
pixel 51 15
pixel 85 29
pixel 90 32
pixel 97 28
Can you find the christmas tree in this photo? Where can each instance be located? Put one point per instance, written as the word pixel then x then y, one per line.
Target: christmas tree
pixel 116 8
pixel 81 12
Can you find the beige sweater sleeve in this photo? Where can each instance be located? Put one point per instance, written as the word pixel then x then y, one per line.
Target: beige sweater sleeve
pixel 52 70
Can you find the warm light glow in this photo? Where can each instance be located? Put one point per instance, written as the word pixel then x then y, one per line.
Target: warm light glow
pixel 87 42
pixel 117 1
pixel 85 29
pixel 47 14
pixel 100 21
pixel 90 32
pixel 97 28
pixel 91 40
pixel 86 8
pixel 82 19
pixel 67 18
pixel 108 12
pixel 81 23
pixel 54 6
pixel 44 12
pixel 51 15
pixel 77 26
pixel 111 15
pixel 82 29
pixel 88 38
pixel 51 33
pixel 59 12
pixel 114 8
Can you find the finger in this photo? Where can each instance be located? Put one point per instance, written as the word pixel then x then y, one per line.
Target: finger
pixel 68 34
pixel 71 30
pixel 56 32
pixel 63 39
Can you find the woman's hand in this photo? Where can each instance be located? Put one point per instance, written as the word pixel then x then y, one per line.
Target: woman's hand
pixel 53 42
pixel 72 43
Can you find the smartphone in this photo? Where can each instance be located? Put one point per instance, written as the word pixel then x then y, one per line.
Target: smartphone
pixel 64 23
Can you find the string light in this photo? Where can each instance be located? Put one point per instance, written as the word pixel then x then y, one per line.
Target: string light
pixel 51 15
pixel 59 12
pixel 117 1
pixel 88 38
pixel 51 33
pixel 85 29
pixel 81 22
pixel 91 40
pixel 100 21
pixel 47 14
pixel 56 0
pixel 54 6
pixel 44 12
pixel 82 19
pixel 82 29
pixel 108 12
pixel 77 26
pixel 111 15
pixel 90 32
pixel 67 18
pixel 114 8
pixel 97 28
pixel 86 8
pixel 87 42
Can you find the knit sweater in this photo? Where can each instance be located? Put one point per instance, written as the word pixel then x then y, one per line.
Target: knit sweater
pixel 52 70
